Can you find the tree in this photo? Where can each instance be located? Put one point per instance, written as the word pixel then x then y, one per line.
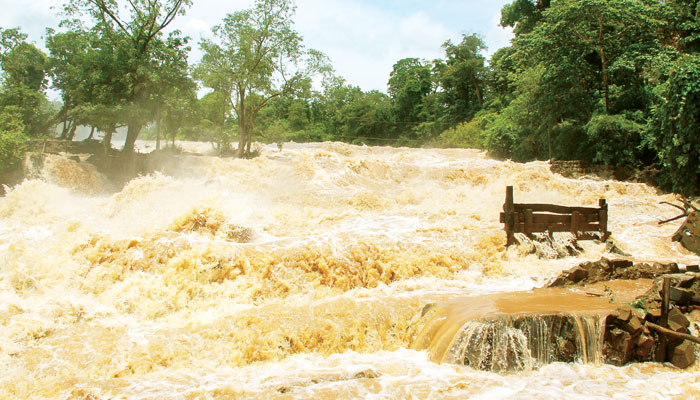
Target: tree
pixel 24 81
pixel 596 40
pixel 259 57
pixel 68 68
pixel 410 82
pixel 12 139
pixel 462 78
pixel 684 24
pixel 170 84
pixel 215 108
pixel 523 15
pixel 134 28
pixel 675 125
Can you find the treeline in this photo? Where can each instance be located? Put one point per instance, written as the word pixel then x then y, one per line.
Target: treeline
pixel 608 81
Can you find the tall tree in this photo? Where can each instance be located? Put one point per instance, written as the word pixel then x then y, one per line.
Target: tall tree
pixel 24 81
pixel 462 77
pixel 410 81
pixel 258 57
pixel 594 39
pixel 137 25
pixel 523 15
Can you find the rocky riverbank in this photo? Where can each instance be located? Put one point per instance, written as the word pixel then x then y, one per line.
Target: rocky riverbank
pixel 636 332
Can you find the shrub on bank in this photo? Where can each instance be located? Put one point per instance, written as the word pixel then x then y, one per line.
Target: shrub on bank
pixel 13 140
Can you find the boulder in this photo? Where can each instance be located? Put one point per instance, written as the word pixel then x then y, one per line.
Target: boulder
pixel 644 348
pixel 618 346
pixel 677 321
pixel 689 232
pixel 683 355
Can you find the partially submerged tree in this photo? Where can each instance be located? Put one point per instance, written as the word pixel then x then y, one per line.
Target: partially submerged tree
pixel 257 57
pixel 135 28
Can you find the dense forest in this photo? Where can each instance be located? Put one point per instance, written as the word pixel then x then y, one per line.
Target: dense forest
pixel 615 82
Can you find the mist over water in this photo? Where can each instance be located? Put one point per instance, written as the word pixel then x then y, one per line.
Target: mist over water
pixel 298 274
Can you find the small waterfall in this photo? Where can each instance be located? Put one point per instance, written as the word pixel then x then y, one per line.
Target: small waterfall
pixel 515 343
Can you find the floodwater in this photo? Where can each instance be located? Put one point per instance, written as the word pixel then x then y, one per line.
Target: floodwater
pixel 299 274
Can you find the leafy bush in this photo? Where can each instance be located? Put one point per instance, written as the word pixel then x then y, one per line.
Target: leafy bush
pixel 569 142
pixel 673 132
pixel 470 134
pixel 13 141
pixel 615 140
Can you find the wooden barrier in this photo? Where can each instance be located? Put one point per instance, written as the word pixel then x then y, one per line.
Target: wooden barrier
pixel 586 223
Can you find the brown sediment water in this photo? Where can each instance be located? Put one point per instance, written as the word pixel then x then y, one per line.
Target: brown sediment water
pixel 522 330
pixel 299 274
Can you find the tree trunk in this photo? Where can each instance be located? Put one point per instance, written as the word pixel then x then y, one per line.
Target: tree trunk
pixel 131 134
pixel 65 121
pixel 549 141
pixel 158 123
pixel 242 115
pixel 73 128
pixel 92 132
pixel 107 140
pixel 478 91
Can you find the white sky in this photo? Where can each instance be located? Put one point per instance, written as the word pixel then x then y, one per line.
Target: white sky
pixel 363 38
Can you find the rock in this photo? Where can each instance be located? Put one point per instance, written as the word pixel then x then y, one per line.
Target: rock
pixel 621 263
pixel 644 348
pixel 611 247
pixel 684 281
pixel 677 321
pixel 617 268
pixel 634 326
pixel 647 271
pixel 654 312
pixel 623 314
pixel 681 296
pixel 683 355
pixel 618 346
pixel 689 232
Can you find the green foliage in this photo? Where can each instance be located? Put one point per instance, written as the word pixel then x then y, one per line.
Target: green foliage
pixel 616 140
pixel 673 133
pixel 24 82
pixel 25 66
pixel 127 56
pixel 410 82
pixel 257 57
pixel 462 78
pixel 471 135
pixel 523 15
pixel 13 141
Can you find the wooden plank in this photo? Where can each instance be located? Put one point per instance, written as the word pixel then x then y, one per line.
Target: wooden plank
pixel 520 228
pixel 603 218
pixel 584 222
pixel 509 209
pixel 576 224
pixel 553 208
pixel 539 218
pixel 528 223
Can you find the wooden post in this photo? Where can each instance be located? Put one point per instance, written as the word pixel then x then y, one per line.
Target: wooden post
pixel 575 223
pixel 665 300
pixel 528 223
pixel 603 219
pixel 510 220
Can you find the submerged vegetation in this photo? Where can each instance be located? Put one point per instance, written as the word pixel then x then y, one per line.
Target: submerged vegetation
pixel 606 81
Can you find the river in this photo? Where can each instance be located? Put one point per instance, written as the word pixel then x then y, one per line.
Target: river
pixel 299 274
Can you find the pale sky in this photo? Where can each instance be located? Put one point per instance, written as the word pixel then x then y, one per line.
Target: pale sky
pixel 362 38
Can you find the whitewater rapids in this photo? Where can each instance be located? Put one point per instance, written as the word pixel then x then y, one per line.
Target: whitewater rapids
pixel 298 274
